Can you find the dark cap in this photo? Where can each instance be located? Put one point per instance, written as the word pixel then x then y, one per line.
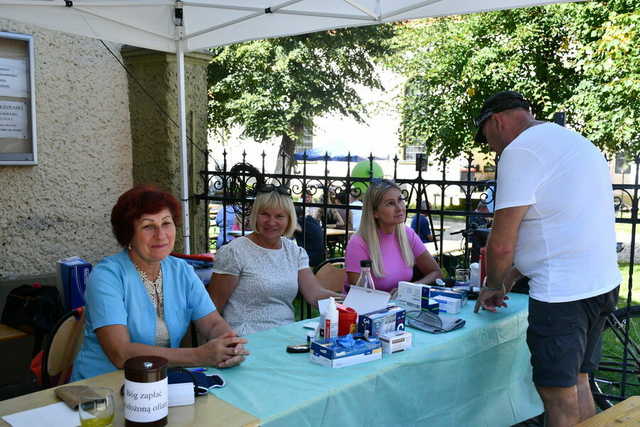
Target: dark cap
pixel 501 101
pixel 365 263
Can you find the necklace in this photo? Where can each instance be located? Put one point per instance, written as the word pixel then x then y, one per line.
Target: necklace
pixel 154 287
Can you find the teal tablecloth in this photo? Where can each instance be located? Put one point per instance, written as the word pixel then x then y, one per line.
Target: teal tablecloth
pixel 475 376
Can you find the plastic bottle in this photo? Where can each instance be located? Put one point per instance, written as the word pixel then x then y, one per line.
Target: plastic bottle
pixel 474 279
pixel 365 280
pixel 328 327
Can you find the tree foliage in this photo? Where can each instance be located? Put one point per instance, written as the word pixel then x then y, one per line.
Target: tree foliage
pixel 273 87
pixel 580 57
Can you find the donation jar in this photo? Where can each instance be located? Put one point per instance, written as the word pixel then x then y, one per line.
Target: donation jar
pixel 146 393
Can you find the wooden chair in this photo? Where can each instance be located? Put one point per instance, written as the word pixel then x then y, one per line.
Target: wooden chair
pixel 331 274
pixel 61 348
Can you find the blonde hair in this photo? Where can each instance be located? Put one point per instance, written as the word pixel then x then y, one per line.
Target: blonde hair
pixel 369 227
pixel 273 200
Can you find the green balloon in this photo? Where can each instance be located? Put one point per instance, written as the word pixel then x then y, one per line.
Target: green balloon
pixel 365 169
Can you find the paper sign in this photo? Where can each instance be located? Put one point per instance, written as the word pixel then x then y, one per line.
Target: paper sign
pixel 366 300
pixel 13 120
pixel 145 402
pixel 13 77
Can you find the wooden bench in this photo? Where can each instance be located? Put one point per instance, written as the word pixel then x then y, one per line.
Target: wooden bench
pixel 626 413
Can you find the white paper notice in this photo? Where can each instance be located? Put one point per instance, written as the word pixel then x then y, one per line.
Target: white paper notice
pixel 366 300
pixel 146 402
pixel 13 77
pixel 13 120
pixel 57 414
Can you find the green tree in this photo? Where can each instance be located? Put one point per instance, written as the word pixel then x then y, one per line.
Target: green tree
pixel 580 57
pixel 606 103
pixel 274 87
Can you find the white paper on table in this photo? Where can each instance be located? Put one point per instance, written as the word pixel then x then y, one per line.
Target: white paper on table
pixel 364 300
pixel 56 414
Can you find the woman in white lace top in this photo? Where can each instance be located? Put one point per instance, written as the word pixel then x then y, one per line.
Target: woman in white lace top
pixel 256 277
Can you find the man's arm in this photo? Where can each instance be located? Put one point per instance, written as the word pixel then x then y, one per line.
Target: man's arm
pixel 502 243
pixel 500 250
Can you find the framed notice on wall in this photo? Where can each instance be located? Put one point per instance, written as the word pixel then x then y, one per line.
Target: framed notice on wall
pixel 17 100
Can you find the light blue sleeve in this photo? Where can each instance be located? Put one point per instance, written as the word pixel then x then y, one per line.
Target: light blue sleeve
pixel 105 296
pixel 199 301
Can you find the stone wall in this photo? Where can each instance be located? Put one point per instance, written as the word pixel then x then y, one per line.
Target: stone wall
pixel 61 206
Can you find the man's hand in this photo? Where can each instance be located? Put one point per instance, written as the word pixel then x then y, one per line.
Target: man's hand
pixel 491 299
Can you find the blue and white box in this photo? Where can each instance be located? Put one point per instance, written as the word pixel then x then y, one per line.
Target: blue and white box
pixel 327 353
pixel 389 319
pixel 451 301
pixel 73 274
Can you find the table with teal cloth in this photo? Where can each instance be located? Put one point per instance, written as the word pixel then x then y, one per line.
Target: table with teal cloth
pixel 475 376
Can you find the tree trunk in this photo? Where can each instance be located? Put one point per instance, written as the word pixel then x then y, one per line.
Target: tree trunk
pixel 285 155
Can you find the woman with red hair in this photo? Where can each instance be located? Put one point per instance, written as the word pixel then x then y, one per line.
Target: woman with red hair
pixel 140 301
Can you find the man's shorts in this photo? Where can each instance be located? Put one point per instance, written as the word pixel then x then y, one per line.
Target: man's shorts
pixel 564 338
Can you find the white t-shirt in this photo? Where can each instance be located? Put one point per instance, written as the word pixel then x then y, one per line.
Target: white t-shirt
pixel 267 283
pixel 566 241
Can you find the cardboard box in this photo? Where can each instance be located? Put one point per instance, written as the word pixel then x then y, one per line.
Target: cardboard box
pixel 73 274
pixel 327 353
pixel 389 319
pixel 451 301
pixel 395 341
pixel 411 293
pixel 416 296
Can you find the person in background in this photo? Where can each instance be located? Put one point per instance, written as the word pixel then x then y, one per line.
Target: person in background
pixel 256 277
pixel 356 214
pixel 420 224
pixel 383 238
pixel 309 235
pixel 555 224
pixel 225 227
pixel 141 301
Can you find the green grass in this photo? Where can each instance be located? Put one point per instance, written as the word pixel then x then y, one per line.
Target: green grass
pixel 624 286
pixel 612 346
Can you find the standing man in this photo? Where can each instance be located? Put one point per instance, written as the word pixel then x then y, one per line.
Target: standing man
pixel 554 223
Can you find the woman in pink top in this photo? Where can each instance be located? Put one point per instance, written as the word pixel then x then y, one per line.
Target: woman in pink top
pixel 383 238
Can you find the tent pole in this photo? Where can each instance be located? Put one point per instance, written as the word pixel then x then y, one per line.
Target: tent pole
pixel 183 148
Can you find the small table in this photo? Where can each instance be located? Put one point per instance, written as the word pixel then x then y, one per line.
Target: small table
pixel 336 239
pixel 208 410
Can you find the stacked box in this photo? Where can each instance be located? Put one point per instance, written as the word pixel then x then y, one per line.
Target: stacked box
pixel 451 301
pixel 389 319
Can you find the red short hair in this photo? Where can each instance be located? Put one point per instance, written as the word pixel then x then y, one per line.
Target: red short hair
pixel 140 200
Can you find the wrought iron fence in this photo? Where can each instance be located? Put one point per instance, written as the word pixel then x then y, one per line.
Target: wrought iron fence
pixel 236 186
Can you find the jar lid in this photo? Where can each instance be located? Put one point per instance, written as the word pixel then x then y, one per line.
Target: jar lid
pixel 145 363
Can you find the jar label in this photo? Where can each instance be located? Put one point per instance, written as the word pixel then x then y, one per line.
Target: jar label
pixel 146 402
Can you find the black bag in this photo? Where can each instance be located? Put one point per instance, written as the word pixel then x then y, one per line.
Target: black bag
pixel 34 309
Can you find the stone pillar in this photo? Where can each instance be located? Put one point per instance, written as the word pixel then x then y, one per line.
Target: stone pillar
pixel 154 127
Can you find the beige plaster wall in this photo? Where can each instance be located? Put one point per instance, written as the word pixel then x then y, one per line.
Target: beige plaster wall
pixel 61 207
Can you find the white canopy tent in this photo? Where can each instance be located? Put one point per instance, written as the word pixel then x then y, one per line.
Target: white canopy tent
pixel 184 26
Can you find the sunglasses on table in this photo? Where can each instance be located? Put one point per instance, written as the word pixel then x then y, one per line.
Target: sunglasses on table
pixel 268 188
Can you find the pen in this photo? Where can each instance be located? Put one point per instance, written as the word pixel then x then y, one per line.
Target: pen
pixel 198 369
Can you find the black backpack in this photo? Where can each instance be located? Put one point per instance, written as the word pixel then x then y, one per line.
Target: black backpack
pixel 34 309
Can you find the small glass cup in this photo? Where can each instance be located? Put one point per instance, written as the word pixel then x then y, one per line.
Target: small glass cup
pixel 463 275
pixel 97 408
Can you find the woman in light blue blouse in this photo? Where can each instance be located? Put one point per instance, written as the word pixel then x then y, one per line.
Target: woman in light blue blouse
pixel 140 301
